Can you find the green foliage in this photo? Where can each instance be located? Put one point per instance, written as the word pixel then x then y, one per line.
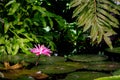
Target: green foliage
pixel 96 16
pixel 24 23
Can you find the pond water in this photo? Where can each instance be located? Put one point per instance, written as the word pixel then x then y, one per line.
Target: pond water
pixel 77 67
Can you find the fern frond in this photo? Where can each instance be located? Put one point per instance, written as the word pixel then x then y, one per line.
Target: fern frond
pixel 96 15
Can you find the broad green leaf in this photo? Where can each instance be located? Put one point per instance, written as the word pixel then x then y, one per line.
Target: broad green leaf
pixel 15 48
pixel 27 36
pixel 14 8
pixel 50 22
pixel 43 21
pixel 40 9
pixel 10 2
pixel 7 26
pixel 2 40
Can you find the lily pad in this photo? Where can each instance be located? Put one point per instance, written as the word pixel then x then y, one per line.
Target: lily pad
pixel 109 78
pixel 87 58
pixel 103 66
pixel 55 69
pixel 51 60
pixel 24 77
pixel 17 73
pixel 116 72
pixel 114 50
pixel 84 75
pixel 77 65
pixel 15 58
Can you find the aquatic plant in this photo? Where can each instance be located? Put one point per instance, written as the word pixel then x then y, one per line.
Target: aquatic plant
pixel 77 65
pixel 40 50
pixel 85 75
pixel 103 66
pixel 109 78
pixel 116 72
pixel 87 58
pixel 51 60
pixel 54 69
pixel 24 72
pixel 114 50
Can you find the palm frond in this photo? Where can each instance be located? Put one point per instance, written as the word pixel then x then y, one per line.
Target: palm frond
pixel 96 15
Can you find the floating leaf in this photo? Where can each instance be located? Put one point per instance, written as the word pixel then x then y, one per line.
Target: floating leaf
pixel 84 75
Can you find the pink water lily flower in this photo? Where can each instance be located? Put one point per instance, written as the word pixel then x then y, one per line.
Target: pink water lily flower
pixel 41 49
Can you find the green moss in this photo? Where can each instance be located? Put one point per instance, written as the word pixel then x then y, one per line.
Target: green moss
pixel 103 66
pixel 84 75
pixel 87 58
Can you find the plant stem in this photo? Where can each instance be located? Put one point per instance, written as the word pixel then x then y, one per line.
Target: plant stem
pixel 37 61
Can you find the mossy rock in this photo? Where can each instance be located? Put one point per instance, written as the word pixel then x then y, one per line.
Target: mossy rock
pixel 87 58
pixel 109 78
pixel 114 50
pixel 55 69
pixel 51 60
pixel 103 66
pixel 84 75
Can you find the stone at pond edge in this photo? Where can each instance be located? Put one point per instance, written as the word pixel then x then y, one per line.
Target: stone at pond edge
pixel 87 58
pixel 84 75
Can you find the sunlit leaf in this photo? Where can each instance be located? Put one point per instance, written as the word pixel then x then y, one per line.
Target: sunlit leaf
pixel 95 16
pixel 14 8
pixel 10 2
pixel 108 41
